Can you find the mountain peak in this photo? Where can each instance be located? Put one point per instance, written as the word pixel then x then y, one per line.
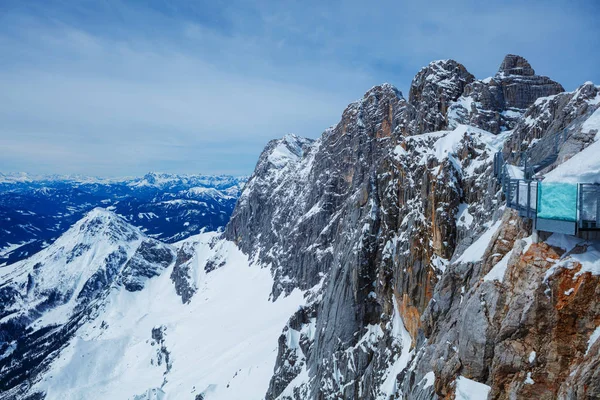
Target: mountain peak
pixel 384 89
pixel 101 222
pixel 288 149
pixel 515 65
pixel 433 88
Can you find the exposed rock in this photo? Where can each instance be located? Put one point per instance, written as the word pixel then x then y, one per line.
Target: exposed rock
pixel 515 65
pixel 520 86
pixel 148 261
pixel 433 89
pixel 496 104
pixel 547 118
pixel 181 274
pixel 378 228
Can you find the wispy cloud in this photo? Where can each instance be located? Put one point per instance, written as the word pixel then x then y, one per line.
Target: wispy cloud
pixel 112 88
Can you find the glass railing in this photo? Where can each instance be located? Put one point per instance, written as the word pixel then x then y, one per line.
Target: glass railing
pixel 557 201
pixel 551 201
pixel 589 206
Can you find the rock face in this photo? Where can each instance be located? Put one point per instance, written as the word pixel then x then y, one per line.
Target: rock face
pixel 496 104
pixel 374 217
pixel 550 117
pixel 515 65
pixel 433 89
pixel 369 212
pixel 520 86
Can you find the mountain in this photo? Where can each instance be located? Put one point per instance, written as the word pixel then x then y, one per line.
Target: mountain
pixel 35 210
pixel 378 261
pixel 47 297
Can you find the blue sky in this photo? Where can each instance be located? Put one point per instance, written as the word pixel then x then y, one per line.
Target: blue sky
pixel 115 88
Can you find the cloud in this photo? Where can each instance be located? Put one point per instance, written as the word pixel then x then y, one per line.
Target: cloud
pixel 111 88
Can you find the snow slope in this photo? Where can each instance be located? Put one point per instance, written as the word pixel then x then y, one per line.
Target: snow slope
pixel 222 344
pixel 583 167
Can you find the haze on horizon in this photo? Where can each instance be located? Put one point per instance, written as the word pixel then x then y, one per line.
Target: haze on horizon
pixel 119 88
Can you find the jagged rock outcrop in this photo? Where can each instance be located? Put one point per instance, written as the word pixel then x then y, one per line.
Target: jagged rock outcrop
pixel 524 331
pixel 497 103
pixel 521 87
pixel 370 213
pixel 548 118
pixel 420 201
pixel 432 91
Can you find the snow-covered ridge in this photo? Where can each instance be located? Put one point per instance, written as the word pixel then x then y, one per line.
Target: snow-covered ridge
pixel 152 179
pixel 97 251
pixel 135 335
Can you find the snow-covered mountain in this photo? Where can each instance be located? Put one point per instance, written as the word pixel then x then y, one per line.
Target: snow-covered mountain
pixel 376 262
pixel 111 313
pixel 35 210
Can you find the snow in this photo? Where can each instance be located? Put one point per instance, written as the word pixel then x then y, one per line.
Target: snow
pixel 583 167
pixel 428 380
pixel 223 343
pixel 592 123
pixel 467 389
pixel 532 357
pixel 565 242
pixel 12 247
pixel 287 150
pixel 499 270
pixel 463 217
pixel 399 151
pixel 72 260
pixel 588 261
pixel 475 251
pixel 593 337
pixel 206 192
pixel 515 172
pixel 528 380
pixel 389 385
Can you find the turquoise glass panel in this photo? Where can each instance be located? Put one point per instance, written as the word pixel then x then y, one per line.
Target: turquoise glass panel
pixel 557 201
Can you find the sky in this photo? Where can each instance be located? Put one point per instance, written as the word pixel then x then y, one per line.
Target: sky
pixel 121 88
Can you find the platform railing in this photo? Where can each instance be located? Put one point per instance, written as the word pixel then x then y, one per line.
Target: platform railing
pixel 589 206
pixel 524 195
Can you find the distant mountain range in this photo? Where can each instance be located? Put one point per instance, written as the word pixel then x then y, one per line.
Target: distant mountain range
pixel 36 210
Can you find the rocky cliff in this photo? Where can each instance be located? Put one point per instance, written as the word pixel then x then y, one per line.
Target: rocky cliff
pixel 379 213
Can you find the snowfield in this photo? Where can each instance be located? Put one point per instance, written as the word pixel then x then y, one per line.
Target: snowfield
pixel 222 344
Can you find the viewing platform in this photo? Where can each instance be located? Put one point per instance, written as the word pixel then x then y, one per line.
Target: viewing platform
pixel 568 208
